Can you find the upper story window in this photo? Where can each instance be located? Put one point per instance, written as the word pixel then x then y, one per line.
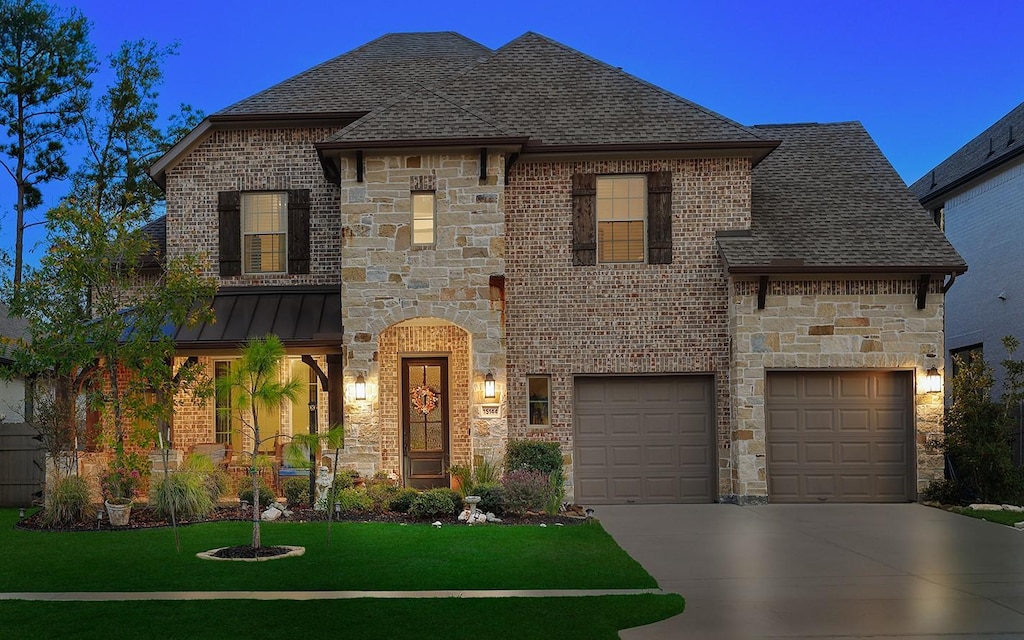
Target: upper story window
pixel 423 217
pixel 264 232
pixel 621 218
pixel 939 217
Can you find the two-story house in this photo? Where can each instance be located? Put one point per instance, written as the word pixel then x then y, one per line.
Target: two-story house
pixel 976 196
pixel 462 245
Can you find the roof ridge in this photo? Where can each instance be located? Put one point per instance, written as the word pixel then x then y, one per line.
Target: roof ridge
pixel 636 79
pixel 806 124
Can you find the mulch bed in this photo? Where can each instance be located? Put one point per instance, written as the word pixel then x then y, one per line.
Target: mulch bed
pixel 145 518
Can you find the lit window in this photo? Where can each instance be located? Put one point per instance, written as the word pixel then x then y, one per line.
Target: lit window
pixel 939 217
pixel 264 232
pixel 621 218
pixel 538 389
pixel 423 217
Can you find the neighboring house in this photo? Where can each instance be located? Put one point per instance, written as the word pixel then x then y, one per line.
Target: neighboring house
pixel 530 243
pixel 977 196
pixel 21 459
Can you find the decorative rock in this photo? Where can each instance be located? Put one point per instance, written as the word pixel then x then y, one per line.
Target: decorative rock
pixel 492 518
pixel 1019 525
pixel 436 523
pixel 986 507
pixel 543 525
pixel 270 514
pixel 1013 508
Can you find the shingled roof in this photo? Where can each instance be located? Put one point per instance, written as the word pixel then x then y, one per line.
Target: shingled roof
pixel 366 77
pixel 997 145
pixel 827 200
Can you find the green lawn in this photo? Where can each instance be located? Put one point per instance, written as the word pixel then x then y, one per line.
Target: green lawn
pixel 1001 517
pixel 362 556
pixel 370 557
pixel 520 618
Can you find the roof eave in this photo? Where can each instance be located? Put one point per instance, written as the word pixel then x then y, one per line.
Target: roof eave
pixel 756 150
pixel 930 198
pixel 811 269
pixel 413 143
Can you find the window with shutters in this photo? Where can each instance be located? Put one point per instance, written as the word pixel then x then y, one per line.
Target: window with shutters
pixel 264 232
pixel 621 219
pixel 423 217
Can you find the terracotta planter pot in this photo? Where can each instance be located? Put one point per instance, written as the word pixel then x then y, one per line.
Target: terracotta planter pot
pixel 118 514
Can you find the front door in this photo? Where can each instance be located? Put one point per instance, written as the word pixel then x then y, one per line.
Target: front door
pixel 425 422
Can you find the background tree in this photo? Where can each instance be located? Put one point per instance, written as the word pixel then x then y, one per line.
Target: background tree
pixel 46 62
pixel 255 381
pixel 95 310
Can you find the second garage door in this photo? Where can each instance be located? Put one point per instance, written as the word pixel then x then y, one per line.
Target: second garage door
pixel 644 440
pixel 840 436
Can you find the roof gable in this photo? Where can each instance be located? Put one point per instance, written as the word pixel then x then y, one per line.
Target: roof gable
pixel 827 199
pixel 996 145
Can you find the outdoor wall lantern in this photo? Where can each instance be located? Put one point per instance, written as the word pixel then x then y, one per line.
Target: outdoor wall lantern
pixel 489 391
pixel 360 387
pixel 932 381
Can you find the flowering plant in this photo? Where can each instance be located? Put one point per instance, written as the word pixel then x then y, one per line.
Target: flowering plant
pixel 121 481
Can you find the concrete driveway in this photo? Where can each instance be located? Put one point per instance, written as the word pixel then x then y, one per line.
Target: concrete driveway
pixel 826 571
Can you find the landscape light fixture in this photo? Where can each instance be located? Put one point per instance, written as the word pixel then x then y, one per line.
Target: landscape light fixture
pixel 489 391
pixel 932 381
pixel 360 387
pixel 21 513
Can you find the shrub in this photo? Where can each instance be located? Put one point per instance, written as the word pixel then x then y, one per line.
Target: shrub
pixel 526 490
pixel 533 455
pixel 487 473
pixel 186 491
pixel 381 496
pixel 68 503
pixel 381 478
pixel 434 503
pixel 979 431
pixel 352 500
pixel 944 492
pixel 403 499
pixel 216 478
pixel 464 477
pixel 296 491
pixel 266 493
pixel 492 499
pixel 345 478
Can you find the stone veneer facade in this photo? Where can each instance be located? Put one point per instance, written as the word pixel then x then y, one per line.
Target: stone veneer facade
pixel 868 323
pixel 400 300
pixel 566 320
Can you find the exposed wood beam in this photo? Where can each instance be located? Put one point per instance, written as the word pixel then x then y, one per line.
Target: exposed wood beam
pixel 321 376
pixel 762 291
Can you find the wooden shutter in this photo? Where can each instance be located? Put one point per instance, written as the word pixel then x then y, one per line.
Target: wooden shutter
pixel 229 212
pixel 659 217
pixel 584 222
pixel 298 231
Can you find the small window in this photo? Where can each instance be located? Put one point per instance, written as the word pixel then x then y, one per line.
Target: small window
pixel 621 219
pixel 939 217
pixel 264 232
pixel 965 355
pixel 423 217
pixel 539 392
pixel 222 405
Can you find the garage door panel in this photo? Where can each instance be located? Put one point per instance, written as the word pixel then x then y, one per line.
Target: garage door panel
pixel 660 424
pixel 657 435
pixel 783 452
pixel 664 456
pixel 854 420
pixel 854 453
pixel 854 387
pixel 622 424
pixel 625 456
pixel 856 446
pixel 819 484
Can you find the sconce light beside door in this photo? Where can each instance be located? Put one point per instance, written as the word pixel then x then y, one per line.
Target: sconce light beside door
pixel 932 381
pixel 360 387
pixel 489 390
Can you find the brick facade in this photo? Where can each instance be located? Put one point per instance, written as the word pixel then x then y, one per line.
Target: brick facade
pixel 253 160
pixel 566 320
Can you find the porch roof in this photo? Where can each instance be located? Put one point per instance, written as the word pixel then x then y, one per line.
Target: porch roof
pixel 301 317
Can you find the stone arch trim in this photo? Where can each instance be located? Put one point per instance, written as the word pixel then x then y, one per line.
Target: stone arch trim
pixel 461 319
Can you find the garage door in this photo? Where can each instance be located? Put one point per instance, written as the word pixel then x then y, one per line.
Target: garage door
pixel 644 440
pixel 840 436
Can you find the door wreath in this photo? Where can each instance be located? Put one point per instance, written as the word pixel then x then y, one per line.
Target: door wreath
pixel 424 399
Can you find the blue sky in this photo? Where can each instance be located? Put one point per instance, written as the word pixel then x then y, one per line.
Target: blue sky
pixel 923 77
